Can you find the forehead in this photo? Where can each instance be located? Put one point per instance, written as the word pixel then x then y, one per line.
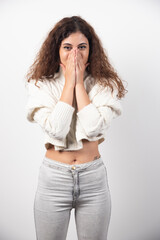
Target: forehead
pixel 75 37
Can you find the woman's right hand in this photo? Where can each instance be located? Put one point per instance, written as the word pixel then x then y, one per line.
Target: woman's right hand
pixel 69 70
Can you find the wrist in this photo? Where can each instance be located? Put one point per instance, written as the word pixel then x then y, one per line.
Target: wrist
pixel 79 85
pixel 69 86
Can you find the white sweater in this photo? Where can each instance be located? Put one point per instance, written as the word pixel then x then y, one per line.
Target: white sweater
pixel 63 126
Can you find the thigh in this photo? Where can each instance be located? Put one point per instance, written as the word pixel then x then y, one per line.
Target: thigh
pixel 93 209
pixel 52 204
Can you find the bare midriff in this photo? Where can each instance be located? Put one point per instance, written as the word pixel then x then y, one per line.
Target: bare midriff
pixel 88 153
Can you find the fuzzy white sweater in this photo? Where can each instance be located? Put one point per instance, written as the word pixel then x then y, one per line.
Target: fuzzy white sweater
pixel 63 126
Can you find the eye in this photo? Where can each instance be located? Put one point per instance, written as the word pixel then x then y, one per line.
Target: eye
pixel 66 47
pixel 82 47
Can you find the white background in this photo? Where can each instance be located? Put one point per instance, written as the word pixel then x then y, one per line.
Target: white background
pixel 130 33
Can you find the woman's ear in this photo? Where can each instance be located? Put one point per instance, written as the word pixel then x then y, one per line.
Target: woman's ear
pixel 63 68
pixel 86 65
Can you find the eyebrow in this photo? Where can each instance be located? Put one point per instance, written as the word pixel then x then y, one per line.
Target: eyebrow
pixel 71 44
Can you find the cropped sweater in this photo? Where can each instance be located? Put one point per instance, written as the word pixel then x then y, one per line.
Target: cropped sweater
pixel 64 126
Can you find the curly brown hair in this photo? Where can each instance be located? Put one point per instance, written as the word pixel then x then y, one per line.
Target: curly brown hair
pixel 47 60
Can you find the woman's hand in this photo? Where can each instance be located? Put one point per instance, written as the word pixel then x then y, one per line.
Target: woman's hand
pixel 80 67
pixel 74 69
pixel 69 70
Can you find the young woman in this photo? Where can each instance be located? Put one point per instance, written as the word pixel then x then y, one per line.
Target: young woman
pixel 73 94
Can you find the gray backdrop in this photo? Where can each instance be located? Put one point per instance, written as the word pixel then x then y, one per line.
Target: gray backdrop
pixel 130 33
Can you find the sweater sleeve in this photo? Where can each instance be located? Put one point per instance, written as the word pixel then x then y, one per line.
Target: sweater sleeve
pixel 97 116
pixel 52 115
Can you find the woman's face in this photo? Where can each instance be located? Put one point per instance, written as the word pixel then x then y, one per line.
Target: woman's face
pixel 75 41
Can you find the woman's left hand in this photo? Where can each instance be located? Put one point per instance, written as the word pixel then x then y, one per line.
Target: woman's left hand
pixel 80 67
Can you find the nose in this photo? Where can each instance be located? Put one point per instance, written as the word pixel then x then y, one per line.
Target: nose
pixel 74 49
